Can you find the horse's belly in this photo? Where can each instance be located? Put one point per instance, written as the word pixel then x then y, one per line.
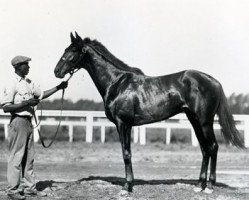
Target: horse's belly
pixel 155 114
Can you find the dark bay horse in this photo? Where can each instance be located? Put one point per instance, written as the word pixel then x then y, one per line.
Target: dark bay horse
pixel 132 98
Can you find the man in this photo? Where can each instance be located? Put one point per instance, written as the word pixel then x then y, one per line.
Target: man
pixel 19 98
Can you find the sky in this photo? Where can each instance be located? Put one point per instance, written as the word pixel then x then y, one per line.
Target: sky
pixel 159 37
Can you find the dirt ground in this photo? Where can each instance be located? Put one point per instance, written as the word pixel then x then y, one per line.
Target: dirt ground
pixel 96 171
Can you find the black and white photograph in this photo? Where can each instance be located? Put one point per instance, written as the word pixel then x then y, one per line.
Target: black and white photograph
pixel 124 100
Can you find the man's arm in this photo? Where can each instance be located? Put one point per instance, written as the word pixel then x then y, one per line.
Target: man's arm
pixel 20 106
pixel 48 93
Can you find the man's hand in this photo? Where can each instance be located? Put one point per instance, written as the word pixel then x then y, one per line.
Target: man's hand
pixel 32 102
pixel 63 85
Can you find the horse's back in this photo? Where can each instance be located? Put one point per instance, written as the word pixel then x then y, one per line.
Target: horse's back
pixel 187 79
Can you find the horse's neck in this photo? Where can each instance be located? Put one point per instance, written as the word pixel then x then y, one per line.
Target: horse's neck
pixel 103 73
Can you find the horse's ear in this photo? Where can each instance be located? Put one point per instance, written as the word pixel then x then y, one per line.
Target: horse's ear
pixel 73 39
pixel 77 36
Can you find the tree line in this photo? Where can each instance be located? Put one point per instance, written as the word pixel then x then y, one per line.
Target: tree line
pixel 82 104
pixel 239 103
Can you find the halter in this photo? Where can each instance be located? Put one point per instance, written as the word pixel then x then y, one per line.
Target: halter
pixel 75 66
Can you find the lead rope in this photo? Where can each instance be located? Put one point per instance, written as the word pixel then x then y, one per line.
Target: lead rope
pixel 58 126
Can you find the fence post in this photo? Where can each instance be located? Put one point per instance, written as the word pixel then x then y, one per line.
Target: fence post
pixel 89 128
pixel 193 138
pixel 142 131
pixel 135 134
pixel 70 132
pixel 246 132
pixel 103 134
pixel 168 135
pixel 6 131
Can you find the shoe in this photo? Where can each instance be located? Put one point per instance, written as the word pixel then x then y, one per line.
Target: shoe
pixel 15 196
pixel 34 192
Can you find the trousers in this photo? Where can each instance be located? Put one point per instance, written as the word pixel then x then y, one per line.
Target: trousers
pixel 21 154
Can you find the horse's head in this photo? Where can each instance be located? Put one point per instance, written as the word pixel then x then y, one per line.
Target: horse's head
pixel 73 57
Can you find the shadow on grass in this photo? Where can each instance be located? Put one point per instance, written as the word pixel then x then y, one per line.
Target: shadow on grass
pixel 120 182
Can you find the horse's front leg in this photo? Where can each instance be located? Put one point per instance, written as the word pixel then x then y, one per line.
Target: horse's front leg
pixel 124 131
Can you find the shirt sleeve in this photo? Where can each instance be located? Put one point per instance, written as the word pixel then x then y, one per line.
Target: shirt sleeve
pixel 37 92
pixel 8 95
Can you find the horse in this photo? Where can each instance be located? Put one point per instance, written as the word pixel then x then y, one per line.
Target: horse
pixel 132 98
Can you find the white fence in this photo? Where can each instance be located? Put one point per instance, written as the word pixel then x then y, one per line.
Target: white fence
pixel 90 119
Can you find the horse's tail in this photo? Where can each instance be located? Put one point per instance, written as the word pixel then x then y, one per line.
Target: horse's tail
pixel 226 120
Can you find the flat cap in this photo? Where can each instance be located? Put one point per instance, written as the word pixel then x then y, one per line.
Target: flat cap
pixel 17 60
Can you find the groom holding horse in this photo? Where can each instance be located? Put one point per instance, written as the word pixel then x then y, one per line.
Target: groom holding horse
pixel 21 94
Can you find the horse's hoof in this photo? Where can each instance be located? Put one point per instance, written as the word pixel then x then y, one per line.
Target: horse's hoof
pixel 128 187
pixel 124 193
pixel 208 190
pixel 197 189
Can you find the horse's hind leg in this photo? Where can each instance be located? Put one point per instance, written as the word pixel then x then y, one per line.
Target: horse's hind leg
pixel 125 139
pixel 211 150
pixel 209 147
pixel 201 185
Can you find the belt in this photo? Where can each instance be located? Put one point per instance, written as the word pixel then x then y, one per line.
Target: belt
pixel 21 116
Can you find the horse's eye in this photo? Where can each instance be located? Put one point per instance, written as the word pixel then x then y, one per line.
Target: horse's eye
pixel 71 58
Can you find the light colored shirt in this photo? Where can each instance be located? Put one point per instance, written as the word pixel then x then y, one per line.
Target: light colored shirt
pixel 18 90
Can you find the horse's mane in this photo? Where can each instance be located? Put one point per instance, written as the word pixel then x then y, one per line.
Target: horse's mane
pixel 118 63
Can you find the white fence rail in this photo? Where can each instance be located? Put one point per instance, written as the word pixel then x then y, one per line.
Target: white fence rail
pixel 90 119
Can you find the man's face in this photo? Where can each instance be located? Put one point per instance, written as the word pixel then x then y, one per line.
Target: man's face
pixel 23 69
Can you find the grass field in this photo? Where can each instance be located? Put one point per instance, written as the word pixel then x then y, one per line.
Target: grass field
pixel 80 170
